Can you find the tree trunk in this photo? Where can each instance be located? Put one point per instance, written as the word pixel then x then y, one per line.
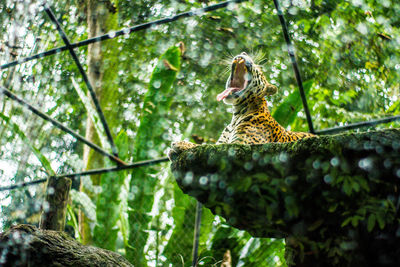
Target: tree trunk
pixel 96 13
pixel 53 218
pixel 25 245
pixel 101 18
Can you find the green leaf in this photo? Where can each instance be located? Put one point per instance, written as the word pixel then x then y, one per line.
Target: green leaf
pixel 91 111
pixel 346 222
pixel 356 186
pixel 183 215
pixel 83 202
pixel 315 225
pixel 72 220
pixel 291 206
pixel 149 139
pixel 43 160
pixel 286 112
pixel 394 108
pixel 269 253
pixel 347 186
pixel 156 103
pixel 355 219
pixel 108 208
pixel 381 220
pixel 364 184
pixel 371 222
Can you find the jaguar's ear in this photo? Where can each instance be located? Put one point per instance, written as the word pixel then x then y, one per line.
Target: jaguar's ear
pixel 270 89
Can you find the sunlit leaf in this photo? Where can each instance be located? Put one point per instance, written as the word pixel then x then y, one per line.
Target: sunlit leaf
pixel 92 114
pixel 43 160
pixel 286 112
pixel 371 222
pixel 149 137
pixel 105 232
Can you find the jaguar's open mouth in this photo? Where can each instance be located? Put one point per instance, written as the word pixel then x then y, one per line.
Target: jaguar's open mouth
pixel 238 81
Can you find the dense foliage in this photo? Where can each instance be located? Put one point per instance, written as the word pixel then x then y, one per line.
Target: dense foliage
pixel 347 51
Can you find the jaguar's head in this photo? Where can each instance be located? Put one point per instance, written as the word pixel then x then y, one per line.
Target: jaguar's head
pixel 245 82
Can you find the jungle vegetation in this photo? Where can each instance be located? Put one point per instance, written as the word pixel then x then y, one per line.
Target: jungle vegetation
pixel 350 64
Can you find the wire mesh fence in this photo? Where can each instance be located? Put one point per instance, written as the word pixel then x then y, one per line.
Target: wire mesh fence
pixel 168 236
pixel 164 220
pixel 164 234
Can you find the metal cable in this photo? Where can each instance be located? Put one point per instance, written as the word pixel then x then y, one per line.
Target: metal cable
pixel 85 79
pixel 69 46
pixel 59 125
pixel 126 31
pixel 358 125
pixel 295 66
pixel 143 26
pixel 89 172
pixel 24 184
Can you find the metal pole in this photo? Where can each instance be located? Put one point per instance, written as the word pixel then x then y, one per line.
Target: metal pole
pixel 85 79
pixel 196 234
pixel 295 66
pixel 59 125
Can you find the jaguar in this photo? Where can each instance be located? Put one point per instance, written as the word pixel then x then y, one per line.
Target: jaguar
pixel 246 90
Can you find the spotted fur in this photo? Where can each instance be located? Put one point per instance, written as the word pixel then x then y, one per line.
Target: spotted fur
pixel 251 122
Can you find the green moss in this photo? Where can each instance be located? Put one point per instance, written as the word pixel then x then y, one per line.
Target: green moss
pixel 309 191
pixel 51 248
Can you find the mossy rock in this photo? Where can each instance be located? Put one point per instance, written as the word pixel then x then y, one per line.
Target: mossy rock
pixel 25 245
pixel 335 198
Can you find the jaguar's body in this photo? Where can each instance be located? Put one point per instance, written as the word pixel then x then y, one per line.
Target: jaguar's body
pixel 255 125
pixel 252 122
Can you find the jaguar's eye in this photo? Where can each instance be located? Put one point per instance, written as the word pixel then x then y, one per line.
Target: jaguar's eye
pixel 233 67
pixel 248 65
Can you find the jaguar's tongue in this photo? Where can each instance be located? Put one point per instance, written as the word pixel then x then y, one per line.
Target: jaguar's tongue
pixel 238 79
pixel 227 92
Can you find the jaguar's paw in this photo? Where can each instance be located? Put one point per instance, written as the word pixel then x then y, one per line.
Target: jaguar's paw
pixel 178 147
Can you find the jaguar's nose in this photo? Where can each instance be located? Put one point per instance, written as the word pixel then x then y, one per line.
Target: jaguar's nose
pixel 238 60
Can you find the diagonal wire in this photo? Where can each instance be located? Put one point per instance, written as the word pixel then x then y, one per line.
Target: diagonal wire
pixel 114 169
pixel 124 31
pixel 59 125
pixel 295 66
pixel 148 25
pixel 89 172
pixel 70 47
pixel 20 185
pixel 358 125
pixel 85 78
